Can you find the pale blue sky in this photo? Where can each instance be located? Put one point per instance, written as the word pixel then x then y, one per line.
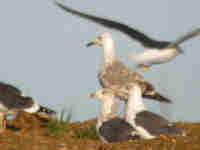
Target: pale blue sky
pixel 43 51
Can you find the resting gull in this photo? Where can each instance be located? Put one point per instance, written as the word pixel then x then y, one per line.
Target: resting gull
pixel 117 76
pixel 147 124
pixel 156 51
pixel 110 127
pixel 12 101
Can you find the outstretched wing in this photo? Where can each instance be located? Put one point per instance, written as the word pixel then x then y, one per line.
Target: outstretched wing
pixel 132 33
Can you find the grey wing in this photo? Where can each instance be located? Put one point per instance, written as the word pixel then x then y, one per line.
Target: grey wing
pixel 150 121
pixel 117 130
pixel 16 102
pixel 156 125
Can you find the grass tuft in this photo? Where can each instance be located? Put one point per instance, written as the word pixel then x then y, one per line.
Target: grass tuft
pixel 60 125
pixel 89 132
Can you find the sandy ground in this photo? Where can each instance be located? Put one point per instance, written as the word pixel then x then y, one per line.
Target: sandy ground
pixel 30 132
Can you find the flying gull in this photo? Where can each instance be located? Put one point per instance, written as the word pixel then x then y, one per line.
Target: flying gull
pixel 157 52
pixel 110 127
pixel 153 56
pixel 117 76
pixel 12 101
pixel 147 124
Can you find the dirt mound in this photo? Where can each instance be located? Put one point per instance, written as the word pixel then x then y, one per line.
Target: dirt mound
pixel 31 132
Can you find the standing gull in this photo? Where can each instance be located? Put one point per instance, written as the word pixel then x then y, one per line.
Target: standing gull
pixel 111 128
pixel 157 52
pixel 117 76
pixel 147 124
pixel 12 101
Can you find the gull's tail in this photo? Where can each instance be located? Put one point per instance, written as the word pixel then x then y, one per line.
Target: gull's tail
pixel 157 96
pixel 151 93
pixel 187 36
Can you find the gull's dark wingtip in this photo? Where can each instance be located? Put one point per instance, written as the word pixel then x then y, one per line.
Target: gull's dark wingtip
pixel 133 33
pixel 61 5
pixel 159 97
pixel 162 98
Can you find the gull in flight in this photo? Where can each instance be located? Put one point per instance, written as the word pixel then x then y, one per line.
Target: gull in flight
pixel 156 51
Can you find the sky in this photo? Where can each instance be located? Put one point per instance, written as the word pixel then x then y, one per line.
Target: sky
pixel 43 52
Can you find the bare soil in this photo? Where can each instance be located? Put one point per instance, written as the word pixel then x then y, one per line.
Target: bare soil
pixel 30 132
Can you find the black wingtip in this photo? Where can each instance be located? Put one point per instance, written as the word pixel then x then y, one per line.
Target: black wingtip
pixel 162 98
pixel 158 97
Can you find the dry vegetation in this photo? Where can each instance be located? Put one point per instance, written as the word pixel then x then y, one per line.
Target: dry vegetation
pixel 30 132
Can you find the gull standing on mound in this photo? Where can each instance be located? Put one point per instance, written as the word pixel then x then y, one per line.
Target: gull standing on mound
pixel 147 124
pixel 117 76
pixel 12 101
pixel 157 52
pixel 110 127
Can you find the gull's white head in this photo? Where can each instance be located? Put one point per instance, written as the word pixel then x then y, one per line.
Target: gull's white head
pixel 102 40
pixel 109 105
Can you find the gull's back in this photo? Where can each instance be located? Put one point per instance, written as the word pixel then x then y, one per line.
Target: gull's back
pixel 117 76
pixel 117 130
pixel 156 125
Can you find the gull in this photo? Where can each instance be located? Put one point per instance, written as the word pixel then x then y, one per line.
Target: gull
pixel 117 76
pixel 13 101
pixel 8 88
pixel 148 125
pixel 110 127
pixel 153 56
pixel 156 51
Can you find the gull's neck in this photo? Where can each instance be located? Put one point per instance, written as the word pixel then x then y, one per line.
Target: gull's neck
pixel 135 104
pixel 109 56
pixel 109 110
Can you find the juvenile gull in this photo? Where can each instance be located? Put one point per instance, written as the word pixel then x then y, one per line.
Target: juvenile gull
pixel 117 76
pixel 147 124
pixel 157 51
pixel 111 128
pixel 12 101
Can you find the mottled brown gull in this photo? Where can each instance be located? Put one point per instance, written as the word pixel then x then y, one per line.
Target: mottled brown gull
pixel 117 76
